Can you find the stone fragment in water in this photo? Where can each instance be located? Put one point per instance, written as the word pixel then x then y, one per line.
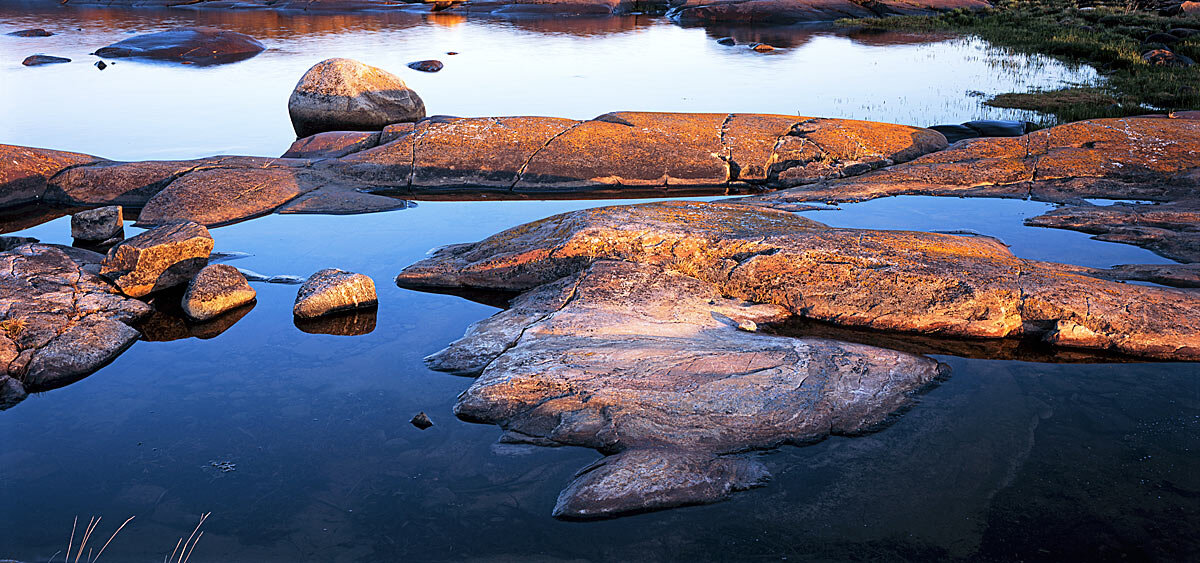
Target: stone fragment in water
pixel 343 94
pixel 37 32
pixel 100 225
pixel 101 65
pixel 727 41
pixel 216 289
pixel 193 45
pixel 157 259
pixel 426 66
pixel 421 421
pixel 761 47
pixel 331 291
pixel 38 60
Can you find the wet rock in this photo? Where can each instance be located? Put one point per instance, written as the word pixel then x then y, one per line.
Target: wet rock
pixel 101 65
pixel 426 66
pixel 727 41
pixel 1174 275
pixel 421 421
pixel 11 392
pixel 194 45
pixel 647 363
pixel 157 259
pixel 103 225
pixel 652 479
pixel 1169 229
pixel 341 199
pixel 796 11
pixel 221 196
pixel 761 47
pixel 216 289
pixel 332 144
pixel 27 171
pixel 331 291
pixel 343 94
pixel 1163 57
pixel 37 60
pixel 60 321
pixel 350 323
pixel 37 32
pixel 947 285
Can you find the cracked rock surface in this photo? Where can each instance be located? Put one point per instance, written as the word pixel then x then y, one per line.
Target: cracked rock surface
pixel 649 365
pixel 927 283
pixel 158 259
pixel 59 320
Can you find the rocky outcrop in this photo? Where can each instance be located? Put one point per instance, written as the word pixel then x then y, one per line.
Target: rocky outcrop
pixel 102 226
pixel 659 369
pixel 217 289
pixel 334 291
pixel 796 11
pixel 25 172
pixel 191 45
pixel 158 259
pixel 221 196
pixel 343 94
pixel 59 321
pixel 936 284
pixel 1153 159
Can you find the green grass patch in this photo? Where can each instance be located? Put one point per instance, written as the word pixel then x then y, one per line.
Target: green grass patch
pixel 1107 36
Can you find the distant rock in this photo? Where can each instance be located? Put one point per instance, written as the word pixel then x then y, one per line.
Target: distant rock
pixel 101 65
pixel 157 259
pixel 103 225
pixel 216 289
pixel 37 32
pixel 1164 57
pixel 343 94
pixel 426 66
pixel 762 47
pixel 1190 8
pixel 421 421
pixel 797 11
pixel 983 128
pixel 38 60
pixel 193 45
pixel 332 291
pixel 1164 38
pixel 727 41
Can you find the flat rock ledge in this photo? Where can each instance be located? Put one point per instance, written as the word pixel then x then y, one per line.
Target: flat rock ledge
pixel 59 320
pixel 616 153
pixel 1151 165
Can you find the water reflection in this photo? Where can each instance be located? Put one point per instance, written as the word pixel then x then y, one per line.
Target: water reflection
pixel 354 323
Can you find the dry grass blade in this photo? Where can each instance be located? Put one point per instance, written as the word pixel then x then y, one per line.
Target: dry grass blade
pixel 189 554
pixel 92 523
pixel 188 551
pixel 110 539
pixel 71 541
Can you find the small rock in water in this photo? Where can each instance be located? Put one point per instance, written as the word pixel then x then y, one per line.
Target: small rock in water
pixel 38 60
pixel 285 279
pixel 762 47
pixel 227 256
pixel 421 421
pixel 216 289
pixel 332 290
pixel 37 32
pixel 103 225
pixel 451 53
pixel 426 66
pixel 251 275
pixel 726 41
pixel 100 65
pixel 157 259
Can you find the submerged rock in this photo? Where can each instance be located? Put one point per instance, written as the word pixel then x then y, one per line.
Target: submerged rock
pixel 157 259
pixel 195 45
pixel 37 60
pixel 426 66
pixel 343 94
pixel 103 225
pixel 37 32
pixel 953 286
pixel 421 421
pixel 332 291
pixel 216 289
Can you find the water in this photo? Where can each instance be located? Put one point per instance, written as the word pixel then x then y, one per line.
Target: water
pixel 1005 460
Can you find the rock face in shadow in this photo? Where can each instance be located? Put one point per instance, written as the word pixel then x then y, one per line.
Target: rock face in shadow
pixel 924 283
pixel 344 94
pixel 26 173
pixel 193 45
pixel 100 226
pixel 650 365
pixel 796 11
pixel 158 259
pixel 59 321
pixel 1137 158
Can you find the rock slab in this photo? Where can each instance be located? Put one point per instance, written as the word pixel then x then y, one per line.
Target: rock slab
pixel 192 45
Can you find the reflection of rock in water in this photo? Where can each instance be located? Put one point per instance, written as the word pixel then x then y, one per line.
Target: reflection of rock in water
pixel 354 323
pixel 168 322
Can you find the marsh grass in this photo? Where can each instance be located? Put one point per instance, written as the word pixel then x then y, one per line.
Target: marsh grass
pixel 1109 36
pixel 181 554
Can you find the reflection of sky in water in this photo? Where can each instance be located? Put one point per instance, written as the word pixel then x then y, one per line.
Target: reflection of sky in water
pixel 151 110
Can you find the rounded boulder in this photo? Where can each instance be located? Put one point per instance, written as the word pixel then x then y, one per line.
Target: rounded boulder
pixel 346 95
pixel 218 288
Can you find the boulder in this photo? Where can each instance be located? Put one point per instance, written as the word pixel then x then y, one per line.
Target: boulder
pixel 1190 8
pixel 983 128
pixel 926 283
pixel 426 66
pixel 218 288
pixel 332 291
pixel 1164 57
pixel 37 60
pixel 343 94
pixel 37 32
pixel 103 225
pixel 157 259
pixel 193 45
pixel 26 172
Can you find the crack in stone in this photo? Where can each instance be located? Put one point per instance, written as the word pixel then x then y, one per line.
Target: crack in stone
pixel 525 165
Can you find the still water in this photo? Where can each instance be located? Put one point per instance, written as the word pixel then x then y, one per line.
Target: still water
pixel 299 443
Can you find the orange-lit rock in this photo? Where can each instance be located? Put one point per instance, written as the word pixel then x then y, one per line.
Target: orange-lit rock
pixel 952 286
pixel 25 172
